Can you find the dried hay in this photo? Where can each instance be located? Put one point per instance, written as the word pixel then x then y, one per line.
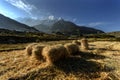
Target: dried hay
pixel 113 46
pixel 76 42
pixel 29 49
pixel 54 53
pixel 37 52
pixel 84 43
pixel 72 48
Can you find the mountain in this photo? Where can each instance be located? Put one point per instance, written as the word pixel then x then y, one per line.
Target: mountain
pixel 67 28
pixel 34 21
pixel 7 23
pixel 28 21
pixel 46 25
pixel 41 25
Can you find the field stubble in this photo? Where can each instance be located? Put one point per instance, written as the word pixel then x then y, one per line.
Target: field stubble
pixel 98 63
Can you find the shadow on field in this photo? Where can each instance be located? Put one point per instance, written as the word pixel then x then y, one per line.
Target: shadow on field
pixel 87 55
pixel 78 65
pixel 74 65
pixel 103 49
pixel 81 65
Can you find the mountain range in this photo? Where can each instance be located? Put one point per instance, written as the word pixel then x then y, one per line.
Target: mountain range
pixel 65 27
pixel 7 23
pixel 48 26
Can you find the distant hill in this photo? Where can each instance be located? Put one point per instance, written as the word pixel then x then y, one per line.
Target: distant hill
pixel 7 23
pixel 67 28
pixel 115 33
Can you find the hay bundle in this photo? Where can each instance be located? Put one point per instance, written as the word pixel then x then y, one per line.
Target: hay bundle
pixel 29 49
pixel 72 48
pixel 37 52
pixel 54 53
pixel 109 47
pixel 116 46
pixel 76 42
pixel 113 46
pixel 84 43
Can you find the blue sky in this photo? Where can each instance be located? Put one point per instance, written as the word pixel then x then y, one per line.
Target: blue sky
pixel 101 14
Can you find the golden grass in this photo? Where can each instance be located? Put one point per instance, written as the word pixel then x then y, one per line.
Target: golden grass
pixel 113 46
pixel 86 66
pixel 10 47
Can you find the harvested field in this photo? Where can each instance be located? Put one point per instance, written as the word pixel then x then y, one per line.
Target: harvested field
pixel 98 63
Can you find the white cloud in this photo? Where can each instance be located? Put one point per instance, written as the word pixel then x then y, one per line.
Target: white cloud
pixel 95 24
pixel 60 18
pixel 74 20
pixel 51 17
pixel 8 14
pixel 22 4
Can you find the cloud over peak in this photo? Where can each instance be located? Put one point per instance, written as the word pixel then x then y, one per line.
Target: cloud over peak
pixel 51 17
pixel 22 4
pixel 96 23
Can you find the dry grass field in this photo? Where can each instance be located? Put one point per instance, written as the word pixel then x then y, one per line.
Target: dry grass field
pixel 100 62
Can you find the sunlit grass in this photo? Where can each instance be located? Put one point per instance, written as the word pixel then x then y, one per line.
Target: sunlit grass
pixel 97 63
pixel 7 47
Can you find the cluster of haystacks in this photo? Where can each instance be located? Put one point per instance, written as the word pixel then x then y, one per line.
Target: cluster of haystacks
pixel 53 53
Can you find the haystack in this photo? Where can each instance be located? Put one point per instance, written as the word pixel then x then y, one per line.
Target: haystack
pixel 72 48
pixel 29 49
pixel 37 52
pixel 54 53
pixel 76 42
pixel 113 46
pixel 84 43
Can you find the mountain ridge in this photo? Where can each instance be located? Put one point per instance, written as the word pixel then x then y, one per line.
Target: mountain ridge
pixel 7 23
pixel 67 27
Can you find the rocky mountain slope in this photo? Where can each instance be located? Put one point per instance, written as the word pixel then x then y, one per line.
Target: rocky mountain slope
pixel 66 27
pixel 7 23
